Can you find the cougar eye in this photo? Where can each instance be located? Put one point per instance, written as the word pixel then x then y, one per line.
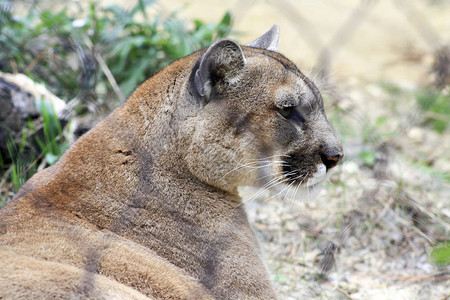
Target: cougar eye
pixel 291 113
pixel 285 111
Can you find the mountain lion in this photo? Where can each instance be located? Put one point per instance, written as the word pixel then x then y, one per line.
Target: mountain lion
pixel 145 205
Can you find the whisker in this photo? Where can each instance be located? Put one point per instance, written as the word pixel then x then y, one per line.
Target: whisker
pixel 273 182
pixel 286 187
pixel 255 164
pixel 297 188
pixel 284 177
pixel 268 157
pixel 287 193
pixel 299 185
pixel 294 180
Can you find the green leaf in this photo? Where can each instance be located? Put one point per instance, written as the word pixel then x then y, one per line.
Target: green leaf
pixel 280 278
pixel 441 254
pixel 368 157
pixel 381 120
pixel 436 106
pixel 226 20
pixel 141 6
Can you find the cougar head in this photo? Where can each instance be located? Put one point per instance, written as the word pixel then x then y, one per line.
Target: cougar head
pixel 260 121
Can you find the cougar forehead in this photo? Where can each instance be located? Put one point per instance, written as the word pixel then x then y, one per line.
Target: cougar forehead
pixel 269 79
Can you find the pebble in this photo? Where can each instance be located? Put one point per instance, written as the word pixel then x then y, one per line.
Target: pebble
pixel 416 134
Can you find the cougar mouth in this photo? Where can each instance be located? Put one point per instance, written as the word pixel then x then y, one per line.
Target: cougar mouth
pixel 298 183
pixel 301 170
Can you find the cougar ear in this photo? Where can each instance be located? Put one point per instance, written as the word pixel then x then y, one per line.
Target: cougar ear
pixel 219 67
pixel 268 40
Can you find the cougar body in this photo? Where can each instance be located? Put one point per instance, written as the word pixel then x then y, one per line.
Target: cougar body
pixel 145 204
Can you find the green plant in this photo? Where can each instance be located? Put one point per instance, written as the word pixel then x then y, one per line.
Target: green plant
pixel 37 44
pixel 53 144
pixel 18 167
pixel 441 254
pixel 368 157
pixel 377 131
pixel 436 106
pixel 55 47
pixel 40 144
pixel 143 48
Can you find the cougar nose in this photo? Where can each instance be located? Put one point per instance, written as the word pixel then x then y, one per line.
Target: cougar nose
pixel 330 161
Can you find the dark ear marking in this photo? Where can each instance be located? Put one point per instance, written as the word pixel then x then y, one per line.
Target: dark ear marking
pixel 219 67
pixel 268 40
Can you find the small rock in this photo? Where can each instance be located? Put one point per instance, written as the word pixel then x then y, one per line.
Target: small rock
pixel 350 167
pixel 348 287
pixel 416 134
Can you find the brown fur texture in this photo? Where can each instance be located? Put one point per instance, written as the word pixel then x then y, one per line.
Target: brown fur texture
pixel 146 204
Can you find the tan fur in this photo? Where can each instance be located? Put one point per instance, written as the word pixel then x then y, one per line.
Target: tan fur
pixel 146 205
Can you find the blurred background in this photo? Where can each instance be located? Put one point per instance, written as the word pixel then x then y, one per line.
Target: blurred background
pixel 379 229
